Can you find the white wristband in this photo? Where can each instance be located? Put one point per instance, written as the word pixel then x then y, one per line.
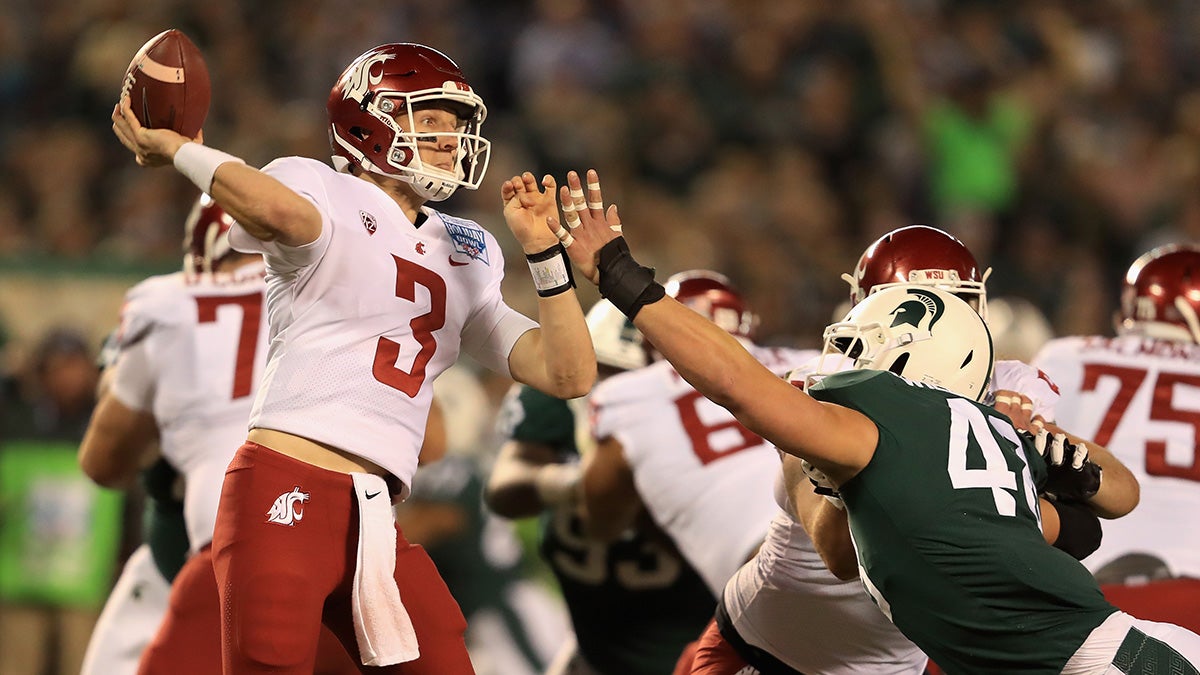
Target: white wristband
pixel 551 271
pixel 199 163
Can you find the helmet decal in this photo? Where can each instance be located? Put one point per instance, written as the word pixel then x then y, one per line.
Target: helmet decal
pixel 912 312
pixel 360 79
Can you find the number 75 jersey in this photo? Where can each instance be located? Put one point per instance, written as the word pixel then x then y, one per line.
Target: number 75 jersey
pixel 1140 398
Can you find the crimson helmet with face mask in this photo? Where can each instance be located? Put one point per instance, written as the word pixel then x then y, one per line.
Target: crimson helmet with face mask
pixel 1160 297
pixel 714 295
pixel 206 237
pixel 373 103
pixel 919 254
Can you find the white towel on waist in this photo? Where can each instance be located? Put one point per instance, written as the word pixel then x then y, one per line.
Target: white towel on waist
pixel 381 624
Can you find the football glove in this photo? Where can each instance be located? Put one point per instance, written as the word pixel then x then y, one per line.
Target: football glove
pixel 1071 476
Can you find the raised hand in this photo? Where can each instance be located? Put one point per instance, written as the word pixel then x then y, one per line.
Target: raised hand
pixel 151 147
pixel 527 206
pixel 588 225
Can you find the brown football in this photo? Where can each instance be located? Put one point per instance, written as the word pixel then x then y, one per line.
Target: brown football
pixel 167 83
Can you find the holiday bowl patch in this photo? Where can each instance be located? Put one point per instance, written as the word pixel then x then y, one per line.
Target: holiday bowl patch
pixel 468 238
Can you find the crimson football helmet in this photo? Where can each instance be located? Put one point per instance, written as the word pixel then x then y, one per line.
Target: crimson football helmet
pixel 919 254
pixel 206 237
pixel 387 84
pixel 714 296
pixel 1161 294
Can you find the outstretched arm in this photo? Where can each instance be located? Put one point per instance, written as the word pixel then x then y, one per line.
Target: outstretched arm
pixel 266 208
pixel 528 478
pixel 838 440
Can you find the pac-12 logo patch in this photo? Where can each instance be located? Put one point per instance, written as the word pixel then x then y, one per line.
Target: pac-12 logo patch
pixel 467 237
pixel 368 222
pixel 287 509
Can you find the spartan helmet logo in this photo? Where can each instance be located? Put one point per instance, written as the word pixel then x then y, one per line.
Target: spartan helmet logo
pixel 913 311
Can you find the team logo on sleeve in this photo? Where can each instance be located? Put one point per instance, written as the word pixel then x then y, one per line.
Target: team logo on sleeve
pixel 287 509
pixel 467 237
pixel 913 312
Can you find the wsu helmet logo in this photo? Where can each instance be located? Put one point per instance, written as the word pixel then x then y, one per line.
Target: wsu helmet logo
pixel 361 79
pixel 286 509
pixel 912 312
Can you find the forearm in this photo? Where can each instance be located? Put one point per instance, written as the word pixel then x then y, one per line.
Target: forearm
pixel 825 523
pixel 568 359
pixel 526 480
pixel 1119 491
pixel 705 355
pixel 116 444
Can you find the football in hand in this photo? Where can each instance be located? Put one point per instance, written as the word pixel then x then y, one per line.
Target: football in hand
pixel 167 84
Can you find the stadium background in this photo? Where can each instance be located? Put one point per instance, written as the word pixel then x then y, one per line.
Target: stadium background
pixel 768 139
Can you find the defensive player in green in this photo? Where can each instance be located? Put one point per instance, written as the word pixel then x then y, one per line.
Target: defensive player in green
pixel 634 603
pixel 941 491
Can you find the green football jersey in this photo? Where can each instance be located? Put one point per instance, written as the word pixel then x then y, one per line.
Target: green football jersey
pixel 634 603
pixel 946 523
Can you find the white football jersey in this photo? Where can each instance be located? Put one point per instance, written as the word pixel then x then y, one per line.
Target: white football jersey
pixel 191 351
pixel 787 602
pixel 1140 398
pixel 364 318
pixel 703 477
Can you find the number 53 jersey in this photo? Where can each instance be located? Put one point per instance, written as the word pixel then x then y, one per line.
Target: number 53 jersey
pixel 1140 398
pixel 191 350
pixel 366 316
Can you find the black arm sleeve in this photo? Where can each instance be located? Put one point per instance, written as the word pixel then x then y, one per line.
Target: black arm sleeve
pixel 1079 532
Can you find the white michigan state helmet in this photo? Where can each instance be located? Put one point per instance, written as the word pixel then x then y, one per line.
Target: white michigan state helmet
pixel 617 342
pixel 919 332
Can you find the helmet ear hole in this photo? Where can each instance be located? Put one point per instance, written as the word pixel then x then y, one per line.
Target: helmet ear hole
pixel 359 133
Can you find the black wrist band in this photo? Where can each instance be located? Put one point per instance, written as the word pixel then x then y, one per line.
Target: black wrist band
pixel 626 284
pixel 551 270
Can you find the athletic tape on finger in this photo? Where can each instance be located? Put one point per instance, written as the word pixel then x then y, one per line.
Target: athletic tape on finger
pixel 1028 405
pixel 594 186
pixel 577 193
pixel 1005 400
pixel 571 216
pixel 567 240
pixel 596 206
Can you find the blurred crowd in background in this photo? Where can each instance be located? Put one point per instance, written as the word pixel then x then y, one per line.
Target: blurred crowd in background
pixel 768 139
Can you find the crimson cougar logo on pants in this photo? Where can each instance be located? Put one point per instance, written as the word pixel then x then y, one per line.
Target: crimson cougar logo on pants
pixel 286 509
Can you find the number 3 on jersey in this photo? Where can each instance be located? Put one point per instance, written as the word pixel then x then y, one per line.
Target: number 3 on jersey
pixel 408 276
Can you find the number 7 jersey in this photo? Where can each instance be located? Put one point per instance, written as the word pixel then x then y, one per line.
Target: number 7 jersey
pixel 1140 398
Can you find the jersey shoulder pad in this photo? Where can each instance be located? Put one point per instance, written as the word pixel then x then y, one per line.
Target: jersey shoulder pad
pixel 158 300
